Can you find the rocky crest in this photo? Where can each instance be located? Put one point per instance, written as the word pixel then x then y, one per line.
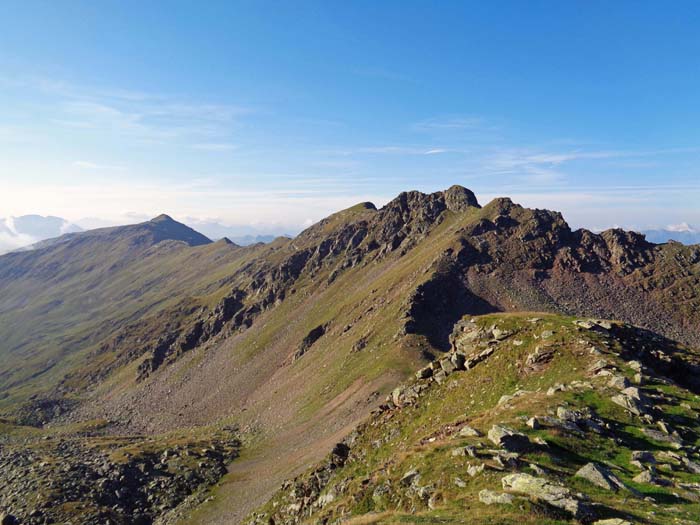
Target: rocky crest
pixel 530 463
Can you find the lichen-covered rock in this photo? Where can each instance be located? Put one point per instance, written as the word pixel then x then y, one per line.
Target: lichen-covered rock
pixel 543 490
pixel 489 497
pixel 467 431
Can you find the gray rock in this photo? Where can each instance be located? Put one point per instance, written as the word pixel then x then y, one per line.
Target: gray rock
pixel 599 365
pixel 629 403
pixel 499 334
pixel 651 478
pixel 458 360
pixel 619 382
pixel 447 366
pixel 410 477
pixel 541 489
pixel 440 377
pixel 612 521
pixel 600 476
pixel 473 470
pixel 460 451
pixel 633 392
pixel 636 365
pixel 691 466
pixel 507 398
pixel 584 419
pixel 424 372
pixel 643 456
pixel 556 388
pixel 467 431
pixel 489 497
pixel 509 439
pixel 507 459
pixel 657 435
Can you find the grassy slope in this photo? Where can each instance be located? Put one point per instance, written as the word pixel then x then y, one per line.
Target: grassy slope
pixel 49 322
pixel 300 404
pixel 423 437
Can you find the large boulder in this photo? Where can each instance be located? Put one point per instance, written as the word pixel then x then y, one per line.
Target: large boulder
pixel 672 439
pixel 467 431
pixel 600 476
pixel 630 403
pixel 509 439
pixel 489 497
pixel 545 491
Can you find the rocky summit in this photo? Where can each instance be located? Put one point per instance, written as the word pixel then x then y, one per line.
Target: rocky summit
pixel 433 360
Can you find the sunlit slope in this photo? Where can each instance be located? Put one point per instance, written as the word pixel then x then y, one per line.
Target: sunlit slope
pixel 554 420
pixel 63 299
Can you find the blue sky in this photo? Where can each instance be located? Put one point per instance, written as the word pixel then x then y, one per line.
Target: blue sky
pixel 270 115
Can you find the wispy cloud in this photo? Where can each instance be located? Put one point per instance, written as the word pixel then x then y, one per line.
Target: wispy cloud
pixel 395 150
pixel 151 122
pixel 450 123
pixel 136 115
pixel 215 146
pixel 94 166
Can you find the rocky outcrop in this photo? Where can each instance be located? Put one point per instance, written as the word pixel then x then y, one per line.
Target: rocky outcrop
pixel 314 335
pixel 124 483
pixel 550 493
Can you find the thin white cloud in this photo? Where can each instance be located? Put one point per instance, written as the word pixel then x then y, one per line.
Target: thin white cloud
pixel 395 150
pixel 94 166
pixel 215 146
pixel 133 114
pixel 453 123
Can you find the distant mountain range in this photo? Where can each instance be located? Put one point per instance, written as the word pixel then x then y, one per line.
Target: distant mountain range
pixel 18 232
pixel 683 233
pixel 36 231
pixel 241 235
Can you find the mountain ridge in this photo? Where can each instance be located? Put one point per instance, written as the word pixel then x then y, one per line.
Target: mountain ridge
pixel 309 333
